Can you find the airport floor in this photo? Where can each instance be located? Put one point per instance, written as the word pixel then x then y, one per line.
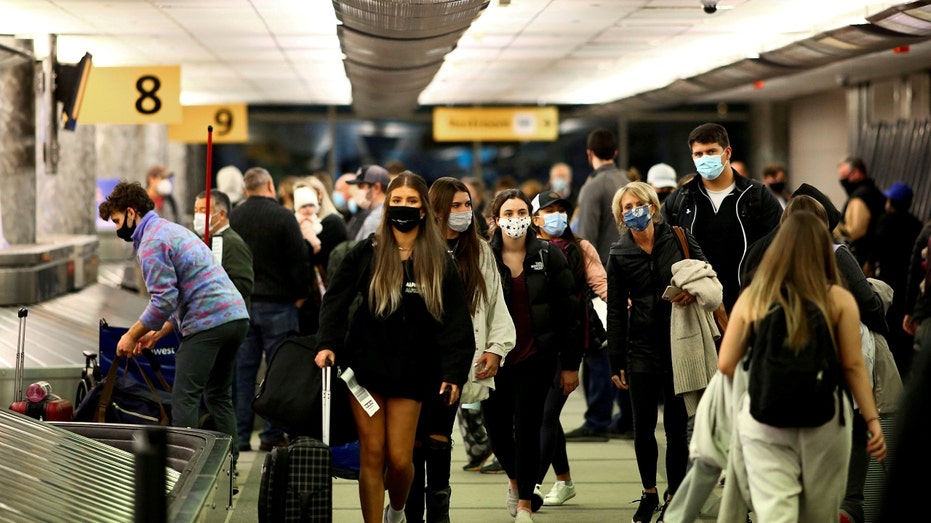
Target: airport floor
pixel 605 475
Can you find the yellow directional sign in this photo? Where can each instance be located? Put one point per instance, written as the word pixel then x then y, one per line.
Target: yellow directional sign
pixel 133 95
pixel 495 124
pixel 230 124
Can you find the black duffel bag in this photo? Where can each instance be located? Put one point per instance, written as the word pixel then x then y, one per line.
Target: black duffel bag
pixel 290 396
pixel 119 398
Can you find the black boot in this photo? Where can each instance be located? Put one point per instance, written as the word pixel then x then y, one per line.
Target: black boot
pixel 438 505
pixel 438 491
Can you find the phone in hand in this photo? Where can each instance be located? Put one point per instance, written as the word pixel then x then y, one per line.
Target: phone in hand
pixel 447 395
pixel 671 292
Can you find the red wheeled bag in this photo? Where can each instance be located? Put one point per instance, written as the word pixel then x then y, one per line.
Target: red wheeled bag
pixel 39 402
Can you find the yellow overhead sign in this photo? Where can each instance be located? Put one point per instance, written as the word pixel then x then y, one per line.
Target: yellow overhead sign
pixel 230 124
pixel 133 95
pixel 495 124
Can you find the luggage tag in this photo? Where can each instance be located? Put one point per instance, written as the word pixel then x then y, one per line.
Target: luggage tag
pixel 362 395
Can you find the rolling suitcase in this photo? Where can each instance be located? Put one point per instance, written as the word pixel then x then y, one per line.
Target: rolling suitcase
pixel 297 484
pixel 297 480
pixel 39 402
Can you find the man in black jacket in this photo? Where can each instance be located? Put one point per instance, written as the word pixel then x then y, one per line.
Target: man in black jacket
pixel 282 279
pixel 725 211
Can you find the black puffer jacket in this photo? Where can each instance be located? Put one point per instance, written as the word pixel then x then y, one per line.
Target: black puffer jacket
pixel 553 306
pixel 642 344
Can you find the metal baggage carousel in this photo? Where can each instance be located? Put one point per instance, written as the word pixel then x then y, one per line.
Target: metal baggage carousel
pixel 84 472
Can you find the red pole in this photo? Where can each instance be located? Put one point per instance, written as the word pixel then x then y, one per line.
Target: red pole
pixel 209 181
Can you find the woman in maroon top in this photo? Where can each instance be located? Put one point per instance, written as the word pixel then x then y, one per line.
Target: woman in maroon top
pixel 538 288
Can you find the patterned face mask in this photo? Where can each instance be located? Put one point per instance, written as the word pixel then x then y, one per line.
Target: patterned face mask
pixel 514 227
pixel 638 218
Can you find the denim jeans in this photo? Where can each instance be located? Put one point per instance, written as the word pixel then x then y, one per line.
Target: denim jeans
pixel 601 394
pixel 269 325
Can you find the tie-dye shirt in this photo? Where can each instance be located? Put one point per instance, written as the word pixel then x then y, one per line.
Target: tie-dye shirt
pixel 184 279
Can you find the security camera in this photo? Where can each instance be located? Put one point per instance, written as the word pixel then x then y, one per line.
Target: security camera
pixel 709 6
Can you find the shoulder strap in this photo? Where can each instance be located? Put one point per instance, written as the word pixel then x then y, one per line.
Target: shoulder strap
pixel 680 233
pixel 544 254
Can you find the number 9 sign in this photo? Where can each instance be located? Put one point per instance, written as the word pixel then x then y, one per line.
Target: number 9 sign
pixel 230 124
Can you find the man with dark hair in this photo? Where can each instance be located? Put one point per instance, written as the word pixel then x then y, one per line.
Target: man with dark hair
pixel 281 266
pixel 774 177
pixel 865 205
pixel 725 211
pixel 596 224
pixel 191 294
pixel 227 245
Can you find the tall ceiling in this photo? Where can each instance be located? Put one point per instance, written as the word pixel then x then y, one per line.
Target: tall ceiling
pixel 384 57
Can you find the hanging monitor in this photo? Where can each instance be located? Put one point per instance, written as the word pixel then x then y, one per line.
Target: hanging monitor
pixel 70 85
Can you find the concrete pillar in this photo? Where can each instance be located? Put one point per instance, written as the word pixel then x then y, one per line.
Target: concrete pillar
pixel 769 138
pixel 18 143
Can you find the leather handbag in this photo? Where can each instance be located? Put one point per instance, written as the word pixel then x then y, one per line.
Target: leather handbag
pixel 720 314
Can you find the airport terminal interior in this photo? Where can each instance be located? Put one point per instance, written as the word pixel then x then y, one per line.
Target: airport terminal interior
pixel 94 92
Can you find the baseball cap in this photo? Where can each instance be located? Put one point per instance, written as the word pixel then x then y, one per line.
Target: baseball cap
pixel 545 199
pixel 661 176
pixel 371 174
pixel 899 192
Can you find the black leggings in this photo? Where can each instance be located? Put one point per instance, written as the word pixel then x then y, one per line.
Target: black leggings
pixel 552 436
pixel 646 390
pixel 514 415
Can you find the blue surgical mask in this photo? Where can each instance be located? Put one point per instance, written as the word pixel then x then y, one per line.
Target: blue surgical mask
pixel 339 201
pixel 709 167
pixel 638 218
pixel 559 184
pixel 555 223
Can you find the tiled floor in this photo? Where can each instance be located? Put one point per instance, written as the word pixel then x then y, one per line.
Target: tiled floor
pixel 605 475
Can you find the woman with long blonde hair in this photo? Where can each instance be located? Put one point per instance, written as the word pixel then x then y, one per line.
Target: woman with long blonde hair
pixel 410 331
pixel 793 471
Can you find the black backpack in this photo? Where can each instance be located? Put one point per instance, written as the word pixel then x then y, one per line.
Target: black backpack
pixel 788 389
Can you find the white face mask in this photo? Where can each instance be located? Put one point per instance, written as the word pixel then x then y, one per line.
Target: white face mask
pixel 459 221
pixel 514 227
pixel 200 223
pixel 164 187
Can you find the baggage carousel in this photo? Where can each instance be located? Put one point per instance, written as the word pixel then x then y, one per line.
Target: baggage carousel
pixel 88 472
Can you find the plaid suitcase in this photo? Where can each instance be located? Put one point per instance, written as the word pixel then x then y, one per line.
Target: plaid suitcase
pixel 297 483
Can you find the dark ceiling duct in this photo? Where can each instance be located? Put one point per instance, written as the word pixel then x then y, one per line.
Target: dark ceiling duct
pixel 394 48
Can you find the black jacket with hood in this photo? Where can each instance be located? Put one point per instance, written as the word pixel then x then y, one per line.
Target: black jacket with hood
pixel 638 339
pixel 553 305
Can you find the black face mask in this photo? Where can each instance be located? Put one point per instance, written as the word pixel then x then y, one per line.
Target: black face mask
pixel 663 195
pixel 777 187
pixel 849 186
pixel 125 232
pixel 403 218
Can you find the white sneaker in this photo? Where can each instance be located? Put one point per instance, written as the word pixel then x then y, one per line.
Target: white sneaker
pixel 512 502
pixel 523 516
pixel 385 519
pixel 559 494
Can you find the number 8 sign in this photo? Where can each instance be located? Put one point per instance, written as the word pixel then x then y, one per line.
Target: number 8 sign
pixel 133 95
